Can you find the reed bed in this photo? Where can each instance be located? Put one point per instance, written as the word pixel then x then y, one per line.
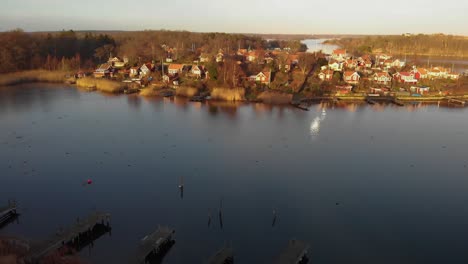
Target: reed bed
pixel 32 77
pixel 102 85
pixel 228 94
pixel 186 91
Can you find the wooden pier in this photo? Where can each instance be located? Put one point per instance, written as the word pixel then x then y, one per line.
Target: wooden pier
pixel 154 246
pixel 397 102
pixel 79 235
pixel 295 253
pixel 8 213
pixel 456 101
pixel 370 101
pixel 223 256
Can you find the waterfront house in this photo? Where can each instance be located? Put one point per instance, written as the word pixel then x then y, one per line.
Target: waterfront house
pixel 382 78
pixel 146 69
pixel 117 62
pixel 419 90
pixel 104 70
pixel 326 75
pixel 197 71
pixel 175 69
pixel 405 77
pixel 263 77
pixel 351 77
pixel 134 71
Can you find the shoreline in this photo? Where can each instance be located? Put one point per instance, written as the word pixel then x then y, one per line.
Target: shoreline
pixel 115 87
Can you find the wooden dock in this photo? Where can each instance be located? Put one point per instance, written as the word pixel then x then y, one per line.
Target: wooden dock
pixel 397 102
pixel 295 253
pixel 154 246
pixel 223 256
pixel 8 213
pixel 370 101
pixel 456 101
pixel 77 236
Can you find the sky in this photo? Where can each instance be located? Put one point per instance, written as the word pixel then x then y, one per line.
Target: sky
pixel 241 16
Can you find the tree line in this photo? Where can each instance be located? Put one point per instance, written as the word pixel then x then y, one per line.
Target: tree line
pixel 63 50
pixel 431 45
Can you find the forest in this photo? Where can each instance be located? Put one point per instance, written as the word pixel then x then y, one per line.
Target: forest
pixel 428 45
pixel 70 50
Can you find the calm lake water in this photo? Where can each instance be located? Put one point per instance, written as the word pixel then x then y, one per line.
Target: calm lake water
pixel 359 183
pixel 314 45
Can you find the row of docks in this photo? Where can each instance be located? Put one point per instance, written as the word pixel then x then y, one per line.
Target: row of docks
pixel 151 249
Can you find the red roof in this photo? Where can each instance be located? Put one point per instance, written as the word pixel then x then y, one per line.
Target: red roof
pixel 349 73
pixel 176 67
pixel 339 52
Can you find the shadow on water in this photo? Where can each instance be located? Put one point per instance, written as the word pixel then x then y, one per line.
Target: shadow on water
pixel 158 258
pixel 87 239
pixel 134 101
pixel 24 97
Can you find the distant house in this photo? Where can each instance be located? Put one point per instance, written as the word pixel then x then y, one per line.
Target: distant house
pixel 419 73
pixel 80 74
pixel 242 52
pixel 204 57
pixel 405 77
pixel 220 57
pixel 263 77
pixel 420 90
pixel 134 71
pixel 326 75
pixel 335 65
pixel 453 76
pixel 175 69
pixel 118 63
pixel 382 56
pixel 339 54
pixel 146 69
pixel 351 63
pixel 351 77
pixel 398 64
pixel 437 72
pixel 364 61
pixel 197 71
pixel 104 70
pixel 382 78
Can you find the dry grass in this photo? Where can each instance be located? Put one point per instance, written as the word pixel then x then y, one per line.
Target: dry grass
pixel 102 85
pixel 186 91
pixel 149 92
pixel 32 76
pixel 228 94
pixel 271 97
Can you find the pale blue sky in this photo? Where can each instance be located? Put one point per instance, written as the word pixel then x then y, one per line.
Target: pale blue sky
pixel 248 16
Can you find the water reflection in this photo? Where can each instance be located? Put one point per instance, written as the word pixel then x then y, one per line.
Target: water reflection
pixel 315 125
pixel 134 101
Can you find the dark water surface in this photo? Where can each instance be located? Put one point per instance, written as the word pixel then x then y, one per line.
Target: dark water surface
pixel 360 184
